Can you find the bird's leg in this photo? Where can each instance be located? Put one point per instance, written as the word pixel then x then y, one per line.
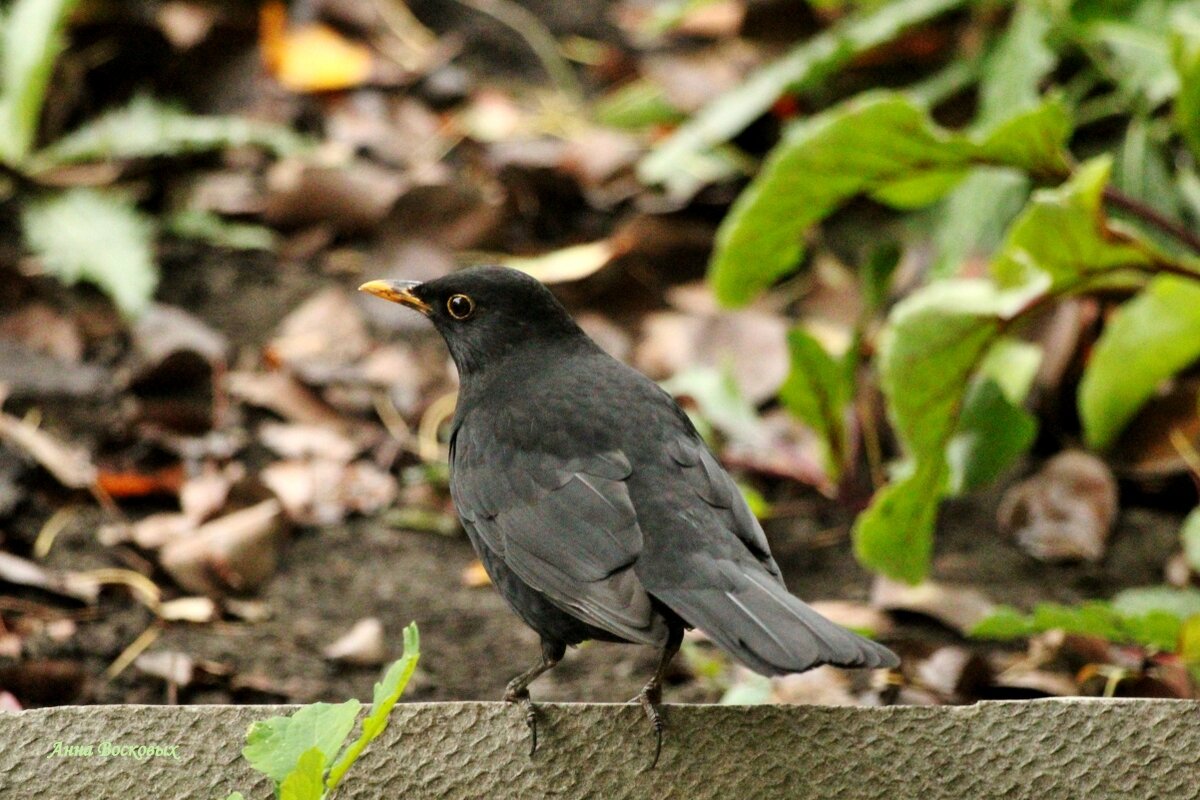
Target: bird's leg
pixel 651 694
pixel 518 688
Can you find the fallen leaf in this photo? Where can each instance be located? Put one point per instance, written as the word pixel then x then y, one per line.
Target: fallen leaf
pixel 21 572
pixel 312 57
pixel 43 330
pixel 188 609
pixel 1063 513
pixel 568 264
pixel 169 665
pixel 71 466
pixel 351 199
pixel 320 337
pixel 235 553
pixel 282 394
pixel 298 441
pixel 960 608
pixel 322 491
pixel 362 645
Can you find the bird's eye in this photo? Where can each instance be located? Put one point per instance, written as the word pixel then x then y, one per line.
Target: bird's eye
pixel 460 306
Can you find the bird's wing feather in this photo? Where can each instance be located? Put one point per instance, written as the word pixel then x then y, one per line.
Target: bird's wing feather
pixel 564 526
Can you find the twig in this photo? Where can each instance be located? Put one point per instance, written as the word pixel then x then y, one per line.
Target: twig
pixel 1153 217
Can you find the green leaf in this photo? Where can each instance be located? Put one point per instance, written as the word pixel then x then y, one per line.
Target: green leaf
pixel 210 228
pixel 1141 169
pixel 1003 624
pixel 1138 58
pixel 934 342
pixel 1016 66
pixel 387 693
pixel 1190 536
pixel 147 128
pixel 992 433
pixel 817 391
pixel 306 781
pixel 1185 56
pixel 95 236
pixel 880 143
pixel 30 42
pixel 877 275
pixel 1063 234
pixel 1149 339
pixel 719 401
pixel 812 60
pixel 235 796
pixel 1180 603
pixel 275 746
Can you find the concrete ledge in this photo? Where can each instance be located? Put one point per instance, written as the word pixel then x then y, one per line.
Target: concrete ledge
pixel 1043 749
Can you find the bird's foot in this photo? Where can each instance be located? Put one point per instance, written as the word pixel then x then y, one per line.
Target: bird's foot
pixel 521 697
pixel 650 697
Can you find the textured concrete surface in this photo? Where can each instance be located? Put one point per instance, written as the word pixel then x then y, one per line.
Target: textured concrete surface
pixel 1044 749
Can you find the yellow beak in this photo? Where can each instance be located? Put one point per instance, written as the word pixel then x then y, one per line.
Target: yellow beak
pixel 398 292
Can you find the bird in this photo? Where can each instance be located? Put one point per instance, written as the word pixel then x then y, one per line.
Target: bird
pixel 594 505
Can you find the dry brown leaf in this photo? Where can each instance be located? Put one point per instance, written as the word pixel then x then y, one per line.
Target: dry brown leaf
pixel 322 491
pixel 169 665
pixel 284 395
pixel 188 609
pixel 71 466
pixel 958 607
pixel 321 336
pixel 235 553
pixel 172 346
pixel 1065 512
pixel 350 199
pixel 858 616
pixel 297 441
pixel 43 330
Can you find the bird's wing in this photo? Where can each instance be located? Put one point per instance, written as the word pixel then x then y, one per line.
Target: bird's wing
pixel 712 484
pixel 709 563
pixel 565 526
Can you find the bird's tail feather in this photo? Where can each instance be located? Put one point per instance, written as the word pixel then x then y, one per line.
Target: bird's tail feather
pixel 770 631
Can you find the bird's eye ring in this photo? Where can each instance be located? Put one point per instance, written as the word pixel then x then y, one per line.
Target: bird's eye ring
pixel 460 306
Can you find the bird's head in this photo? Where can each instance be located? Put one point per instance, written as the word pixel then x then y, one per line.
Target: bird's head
pixel 485 313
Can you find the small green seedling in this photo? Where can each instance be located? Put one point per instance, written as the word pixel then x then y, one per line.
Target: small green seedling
pixel 300 753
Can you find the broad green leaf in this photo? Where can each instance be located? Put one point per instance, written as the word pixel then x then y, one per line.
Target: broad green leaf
pixel 1190 536
pixel 95 236
pixel 1141 171
pixel 207 227
pixel 1016 66
pixel 1013 364
pixel 274 746
pixel 814 59
pixel 1149 339
pixel 1189 645
pixel 1185 56
pixel 877 275
pixel 817 391
pixel 935 340
pixel 235 796
pixel 30 41
pixel 387 693
pixel 975 215
pixel 147 128
pixel 880 143
pixel 993 432
pixel 1063 234
pixel 1180 603
pixel 1003 624
pixel 895 534
pixel 1138 58
pixel 307 780
pixel 1153 629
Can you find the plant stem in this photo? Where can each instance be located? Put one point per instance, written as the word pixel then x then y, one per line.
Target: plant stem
pixel 1153 217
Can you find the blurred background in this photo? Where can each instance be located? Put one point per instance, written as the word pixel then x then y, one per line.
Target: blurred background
pixel 924 272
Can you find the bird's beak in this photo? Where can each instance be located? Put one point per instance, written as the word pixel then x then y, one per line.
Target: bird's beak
pixel 398 292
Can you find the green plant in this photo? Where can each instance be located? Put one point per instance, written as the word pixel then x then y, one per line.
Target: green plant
pixel 99 234
pixel 303 753
pixel 1009 190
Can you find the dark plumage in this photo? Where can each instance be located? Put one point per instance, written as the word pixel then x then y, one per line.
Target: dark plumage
pixel 594 505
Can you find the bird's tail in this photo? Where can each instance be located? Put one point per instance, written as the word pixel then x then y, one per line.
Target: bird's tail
pixel 769 630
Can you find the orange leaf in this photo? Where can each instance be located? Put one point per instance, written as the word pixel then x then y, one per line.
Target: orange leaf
pixel 312 57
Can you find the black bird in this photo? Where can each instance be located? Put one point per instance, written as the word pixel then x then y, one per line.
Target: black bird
pixel 595 507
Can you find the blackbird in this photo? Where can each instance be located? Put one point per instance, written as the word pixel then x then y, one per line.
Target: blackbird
pixel 594 505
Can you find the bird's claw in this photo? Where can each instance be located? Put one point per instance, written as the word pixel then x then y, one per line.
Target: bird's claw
pixel 649 698
pixel 523 699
